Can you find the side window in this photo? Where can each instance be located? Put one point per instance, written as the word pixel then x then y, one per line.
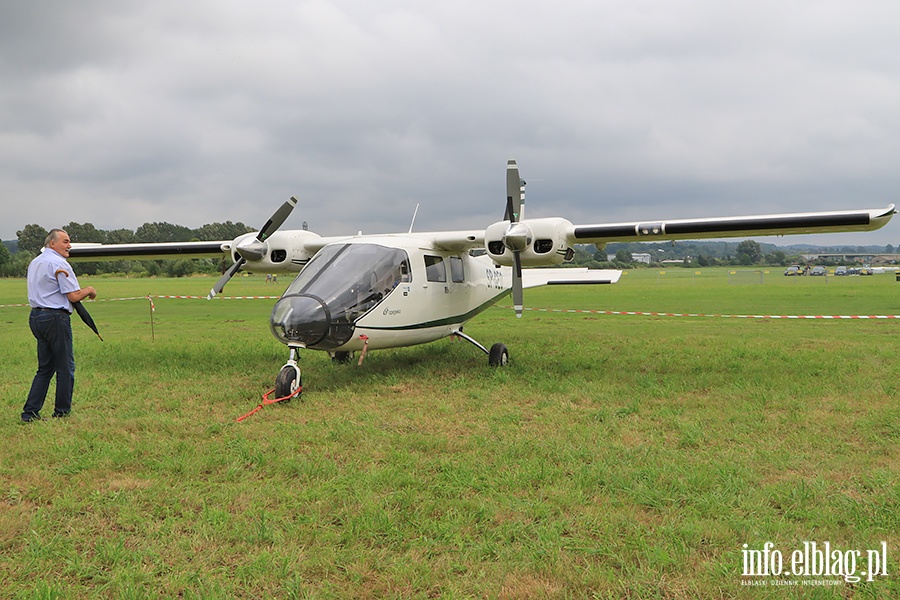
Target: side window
pixel 457 273
pixel 434 269
pixel 405 276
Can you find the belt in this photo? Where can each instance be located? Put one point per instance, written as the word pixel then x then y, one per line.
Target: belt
pixel 42 308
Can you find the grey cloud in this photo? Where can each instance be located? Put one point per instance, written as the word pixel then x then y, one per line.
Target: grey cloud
pixel 118 113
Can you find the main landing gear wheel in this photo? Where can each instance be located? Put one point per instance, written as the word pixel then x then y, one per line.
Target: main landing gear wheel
pixel 498 356
pixel 288 382
pixel 341 358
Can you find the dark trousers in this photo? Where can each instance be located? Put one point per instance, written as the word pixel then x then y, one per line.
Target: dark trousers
pixel 53 331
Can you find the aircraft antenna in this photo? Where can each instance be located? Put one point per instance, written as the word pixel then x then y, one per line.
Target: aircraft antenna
pixel 415 212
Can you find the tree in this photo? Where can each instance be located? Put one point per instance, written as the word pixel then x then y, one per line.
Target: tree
pixel 624 256
pixel 120 236
pixel 81 233
pixel 31 239
pixel 221 231
pixel 751 250
pixel 180 268
pixel 5 256
pixel 776 258
pixel 162 232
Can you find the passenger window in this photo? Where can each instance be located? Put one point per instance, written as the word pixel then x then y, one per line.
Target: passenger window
pixel 434 269
pixel 457 273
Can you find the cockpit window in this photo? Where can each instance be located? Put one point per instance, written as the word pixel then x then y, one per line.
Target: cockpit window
pixel 351 278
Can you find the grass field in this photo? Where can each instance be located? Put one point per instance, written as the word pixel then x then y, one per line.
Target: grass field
pixel 615 457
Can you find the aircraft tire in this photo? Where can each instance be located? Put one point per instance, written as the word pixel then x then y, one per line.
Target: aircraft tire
pixel 341 358
pixel 499 355
pixel 287 382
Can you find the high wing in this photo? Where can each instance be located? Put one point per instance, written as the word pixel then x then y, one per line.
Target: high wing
pixel 551 237
pixel 87 251
pixel 761 225
pixel 515 241
pixel 555 235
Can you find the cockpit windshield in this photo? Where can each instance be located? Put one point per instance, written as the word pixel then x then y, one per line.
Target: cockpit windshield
pixel 339 285
pixel 352 278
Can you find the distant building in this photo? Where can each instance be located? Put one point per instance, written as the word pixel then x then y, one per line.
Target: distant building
pixel 641 258
pixel 635 257
pixel 854 257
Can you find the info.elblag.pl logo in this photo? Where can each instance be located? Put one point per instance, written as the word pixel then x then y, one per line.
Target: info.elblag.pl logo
pixel 812 563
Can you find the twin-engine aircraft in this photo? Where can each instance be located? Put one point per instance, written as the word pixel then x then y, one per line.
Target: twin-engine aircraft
pixel 355 293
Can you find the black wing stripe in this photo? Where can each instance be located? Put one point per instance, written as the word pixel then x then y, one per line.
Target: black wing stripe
pixel 133 251
pixel 724 226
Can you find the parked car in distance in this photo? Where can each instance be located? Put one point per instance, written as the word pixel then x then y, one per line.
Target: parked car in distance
pixel 840 271
pixel 792 271
pixel 866 270
pixel 818 271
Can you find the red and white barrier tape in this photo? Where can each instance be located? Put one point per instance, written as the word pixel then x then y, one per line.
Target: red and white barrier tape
pixel 671 314
pixel 169 297
pixel 547 310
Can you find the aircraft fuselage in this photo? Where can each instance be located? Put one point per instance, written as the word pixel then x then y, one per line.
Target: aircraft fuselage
pixel 385 292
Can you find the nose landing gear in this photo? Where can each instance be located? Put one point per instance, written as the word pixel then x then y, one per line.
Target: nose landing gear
pixel 288 383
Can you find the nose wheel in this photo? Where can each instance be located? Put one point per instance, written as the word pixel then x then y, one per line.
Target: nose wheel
pixel 289 382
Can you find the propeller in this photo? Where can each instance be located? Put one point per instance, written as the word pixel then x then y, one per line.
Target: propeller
pixel 255 249
pixel 518 235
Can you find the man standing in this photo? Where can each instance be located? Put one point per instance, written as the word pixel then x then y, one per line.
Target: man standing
pixel 52 288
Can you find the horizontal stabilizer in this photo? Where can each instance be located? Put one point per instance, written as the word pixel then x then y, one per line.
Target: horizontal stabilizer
pixel 574 276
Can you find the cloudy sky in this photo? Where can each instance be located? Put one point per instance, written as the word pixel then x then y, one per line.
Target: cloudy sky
pixel 119 113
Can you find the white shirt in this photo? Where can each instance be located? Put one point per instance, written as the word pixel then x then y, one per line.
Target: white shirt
pixel 50 278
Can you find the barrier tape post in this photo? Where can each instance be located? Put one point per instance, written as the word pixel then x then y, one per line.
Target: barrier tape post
pixel 152 328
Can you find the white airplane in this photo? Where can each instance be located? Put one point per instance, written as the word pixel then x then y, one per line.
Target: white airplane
pixel 355 293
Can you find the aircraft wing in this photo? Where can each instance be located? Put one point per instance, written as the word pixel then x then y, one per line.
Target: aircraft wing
pixel 149 251
pixel 760 225
pixel 560 231
pixel 568 276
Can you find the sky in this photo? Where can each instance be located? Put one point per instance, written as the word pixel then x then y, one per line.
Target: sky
pixel 118 113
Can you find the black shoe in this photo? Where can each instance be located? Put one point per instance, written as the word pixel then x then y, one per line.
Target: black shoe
pixel 28 418
pixel 60 415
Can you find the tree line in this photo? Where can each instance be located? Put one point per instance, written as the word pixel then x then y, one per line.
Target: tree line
pixel 30 240
pixel 712 254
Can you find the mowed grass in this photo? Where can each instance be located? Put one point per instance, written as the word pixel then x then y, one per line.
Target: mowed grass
pixel 616 457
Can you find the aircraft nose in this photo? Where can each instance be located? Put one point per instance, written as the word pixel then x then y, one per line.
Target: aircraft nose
pixel 303 320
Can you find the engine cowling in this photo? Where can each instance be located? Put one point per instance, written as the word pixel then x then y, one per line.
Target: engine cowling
pixel 282 252
pixel 542 242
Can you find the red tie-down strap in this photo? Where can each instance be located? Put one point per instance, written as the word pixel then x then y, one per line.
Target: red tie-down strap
pixel 266 401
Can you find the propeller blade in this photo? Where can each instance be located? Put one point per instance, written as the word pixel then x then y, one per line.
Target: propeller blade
pixel 277 220
pixel 513 193
pixel 518 298
pixel 515 239
pixel 220 284
pixel 256 253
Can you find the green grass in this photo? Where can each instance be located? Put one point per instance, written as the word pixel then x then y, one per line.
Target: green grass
pixel 617 456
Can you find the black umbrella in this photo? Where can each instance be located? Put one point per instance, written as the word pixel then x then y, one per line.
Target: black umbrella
pixel 86 317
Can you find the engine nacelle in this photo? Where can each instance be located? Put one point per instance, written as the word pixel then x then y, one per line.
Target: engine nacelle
pixel 283 252
pixel 548 242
